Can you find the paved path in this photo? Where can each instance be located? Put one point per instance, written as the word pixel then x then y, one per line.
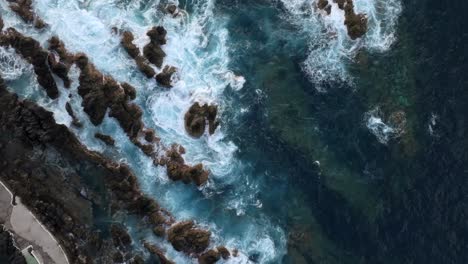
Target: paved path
pixel 28 230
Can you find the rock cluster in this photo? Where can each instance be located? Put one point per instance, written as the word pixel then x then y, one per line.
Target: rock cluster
pixel 198 116
pixel 101 93
pixel 31 50
pixel 356 24
pixel 60 66
pixel 153 249
pixel 153 51
pixel 177 170
pixel 164 77
pixel 134 52
pixel 185 237
pixel 24 9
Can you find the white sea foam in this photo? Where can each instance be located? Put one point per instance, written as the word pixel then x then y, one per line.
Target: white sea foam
pixel 11 65
pixel 198 46
pixel 382 131
pixel 330 48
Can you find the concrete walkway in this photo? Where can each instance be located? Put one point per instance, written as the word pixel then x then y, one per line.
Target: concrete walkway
pixel 29 231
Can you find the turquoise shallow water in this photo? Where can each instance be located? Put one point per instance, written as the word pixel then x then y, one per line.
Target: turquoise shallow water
pixel 330 151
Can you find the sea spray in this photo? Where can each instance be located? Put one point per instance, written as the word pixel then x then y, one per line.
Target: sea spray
pixel 330 48
pixel 198 46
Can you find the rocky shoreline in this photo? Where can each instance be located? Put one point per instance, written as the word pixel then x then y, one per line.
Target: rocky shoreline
pixel 63 197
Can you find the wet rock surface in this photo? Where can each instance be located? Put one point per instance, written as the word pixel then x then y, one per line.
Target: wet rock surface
pixel 356 24
pixel 197 118
pixel 209 257
pixel 185 237
pixel 177 170
pixel 134 52
pixel 153 51
pixel 108 140
pixel 31 50
pixel 164 77
pixel 158 253
pixel 60 66
pixel 24 9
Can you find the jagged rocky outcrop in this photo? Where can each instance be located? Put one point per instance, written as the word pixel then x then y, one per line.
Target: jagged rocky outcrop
pixel 177 170
pixel 134 52
pixel 153 51
pixel 9 253
pixel 356 24
pixel 26 127
pixel 164 77
pixel 102 93
pixel 31 50
pixel 186 237
pixel 120 236
pixel 158 253
pixel 108 140
pixel 60 60
pixel 197 118
pixel 71 113
pixel 209 257
pixel 225 254
pixel 24 9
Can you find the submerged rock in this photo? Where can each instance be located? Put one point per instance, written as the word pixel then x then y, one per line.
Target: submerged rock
pixel 197 117
pixel 185 237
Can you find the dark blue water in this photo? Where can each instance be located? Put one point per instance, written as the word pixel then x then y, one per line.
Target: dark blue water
pixel 309 124
pixel 403 202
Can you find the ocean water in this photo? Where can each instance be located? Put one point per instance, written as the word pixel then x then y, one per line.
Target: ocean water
pixel 306 166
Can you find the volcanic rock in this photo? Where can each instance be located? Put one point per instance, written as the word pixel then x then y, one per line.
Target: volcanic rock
pixel 355 23
pixel 108 140
pixel 61 67
pixel 70 112
pixel 158 253
pixel 177 169
pixel 210 257
pixel 164 77
pixel 120 236
pixel 185 237
pixel 24 9
pixel 134 52
pixel 31 50
pixel 224 252
pixel 197 117
pixel 153 51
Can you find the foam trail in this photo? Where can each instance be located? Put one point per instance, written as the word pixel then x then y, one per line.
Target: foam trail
pixel 198 47
pixel 382 131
